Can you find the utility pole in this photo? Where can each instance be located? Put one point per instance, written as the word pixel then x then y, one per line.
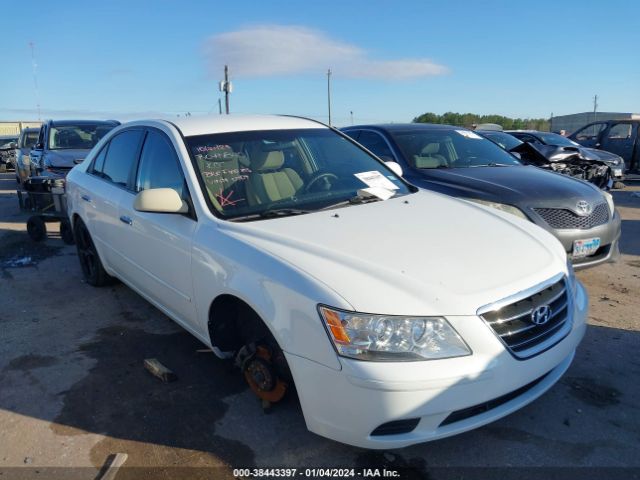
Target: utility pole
pixel 329 93
pixel 219 106
pixel 351 112
pixel 35 77
pixel 595 107
pixel 226 87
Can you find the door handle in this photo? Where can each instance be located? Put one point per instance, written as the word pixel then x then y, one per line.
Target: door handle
pixel 86 198
pixel 125 219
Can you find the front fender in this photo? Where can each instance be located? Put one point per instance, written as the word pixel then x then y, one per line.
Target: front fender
pixel 284 297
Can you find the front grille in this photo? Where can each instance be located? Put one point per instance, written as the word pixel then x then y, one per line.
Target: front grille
pixel 514 325
pixel 563 218
pixel 481 408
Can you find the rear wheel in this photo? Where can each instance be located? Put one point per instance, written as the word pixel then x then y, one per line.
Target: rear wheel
pixel 92 269
pixel 66 232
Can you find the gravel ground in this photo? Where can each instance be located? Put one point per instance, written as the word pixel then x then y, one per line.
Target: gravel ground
pixel 73 390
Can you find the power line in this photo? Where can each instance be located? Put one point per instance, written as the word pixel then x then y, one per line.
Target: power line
pixel 35 76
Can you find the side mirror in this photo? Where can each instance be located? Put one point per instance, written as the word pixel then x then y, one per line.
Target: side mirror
pixel 160 200
pixel 38 146
pixel 395 168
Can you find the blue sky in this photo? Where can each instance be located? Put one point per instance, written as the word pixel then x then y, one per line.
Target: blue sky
pixel 391 61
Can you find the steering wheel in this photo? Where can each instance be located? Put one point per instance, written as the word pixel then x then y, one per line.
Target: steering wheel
pixel 319 176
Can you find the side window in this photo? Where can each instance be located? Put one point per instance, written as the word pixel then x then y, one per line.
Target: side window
pixel 620 131
pixel 98 162
pixel 374 142
pixel 121 156
pixel 590 132
pixel 159 165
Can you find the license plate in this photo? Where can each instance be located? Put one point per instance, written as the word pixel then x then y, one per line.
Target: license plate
pixel 617 172
pixel 586 247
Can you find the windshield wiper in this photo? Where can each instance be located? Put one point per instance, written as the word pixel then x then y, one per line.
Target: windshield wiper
pixel 491 164
pixel 355 200
pixel 282 212
pixel 270 213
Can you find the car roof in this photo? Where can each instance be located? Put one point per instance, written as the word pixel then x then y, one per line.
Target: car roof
pixel 404 127
pixel 525 131
pixel 210 124
pixel 62 123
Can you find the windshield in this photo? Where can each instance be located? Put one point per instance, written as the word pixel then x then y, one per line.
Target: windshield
pixel 257 172
pixel 450 149
pixel 505 140
pixel 29 139
pixel 4 142
pixel 83 136
pixel 555 139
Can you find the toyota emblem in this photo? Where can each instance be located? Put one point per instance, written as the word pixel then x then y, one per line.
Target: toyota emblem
pixel 541 315
pixel 584 208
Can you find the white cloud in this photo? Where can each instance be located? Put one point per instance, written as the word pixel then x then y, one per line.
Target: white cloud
pixel 276 50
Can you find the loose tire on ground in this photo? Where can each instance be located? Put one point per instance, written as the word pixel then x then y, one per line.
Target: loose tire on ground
pixel 37 229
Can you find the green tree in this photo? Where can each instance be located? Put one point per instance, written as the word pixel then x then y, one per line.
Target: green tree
pixel 469 119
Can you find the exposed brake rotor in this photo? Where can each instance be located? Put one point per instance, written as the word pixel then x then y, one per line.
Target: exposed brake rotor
pixel 257 366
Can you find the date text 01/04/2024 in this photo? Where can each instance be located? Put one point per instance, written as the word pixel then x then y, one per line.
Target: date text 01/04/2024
pixel 315 472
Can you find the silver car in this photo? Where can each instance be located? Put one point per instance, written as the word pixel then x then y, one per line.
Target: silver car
pixel 28 138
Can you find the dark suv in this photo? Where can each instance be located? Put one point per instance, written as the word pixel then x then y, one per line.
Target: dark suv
pixel 621 137
pixel 64 143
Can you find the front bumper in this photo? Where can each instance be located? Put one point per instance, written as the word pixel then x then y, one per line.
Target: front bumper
pixel 347 405
pixel 609 235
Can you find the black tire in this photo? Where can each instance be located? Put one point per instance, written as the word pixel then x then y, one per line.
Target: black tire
pixel 66 232
pixel 90 262
pixel 618 185
pixel 37 229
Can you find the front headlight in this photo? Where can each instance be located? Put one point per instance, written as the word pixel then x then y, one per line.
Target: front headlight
pixel 501 206
pixel 391 338
pixel 612 207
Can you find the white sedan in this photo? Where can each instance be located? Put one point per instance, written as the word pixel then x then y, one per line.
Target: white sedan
pixel 401 315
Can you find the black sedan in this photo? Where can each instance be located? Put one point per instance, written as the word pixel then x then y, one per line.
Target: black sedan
pixel 458 162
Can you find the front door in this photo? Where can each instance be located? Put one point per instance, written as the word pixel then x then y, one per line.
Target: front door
pixel 157 246
pixel 619 139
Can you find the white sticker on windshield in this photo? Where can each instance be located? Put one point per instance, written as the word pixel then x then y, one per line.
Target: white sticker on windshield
pixel 376 179
pixel 469 134
pixel 381 193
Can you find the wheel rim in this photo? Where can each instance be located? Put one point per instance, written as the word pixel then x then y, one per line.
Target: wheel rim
pixel 86 252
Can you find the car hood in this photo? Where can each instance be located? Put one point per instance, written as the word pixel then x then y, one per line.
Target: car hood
pixel 602 155
pixel 65 158
pixel 523 186
pixel 422 254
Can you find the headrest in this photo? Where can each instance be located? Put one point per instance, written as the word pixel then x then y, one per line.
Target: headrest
pixel 430 149
pixel 267 160
pixel 427 162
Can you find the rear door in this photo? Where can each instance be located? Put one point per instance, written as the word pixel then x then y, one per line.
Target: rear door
pixel 110 180
pixel 619 139
pixel 157 246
